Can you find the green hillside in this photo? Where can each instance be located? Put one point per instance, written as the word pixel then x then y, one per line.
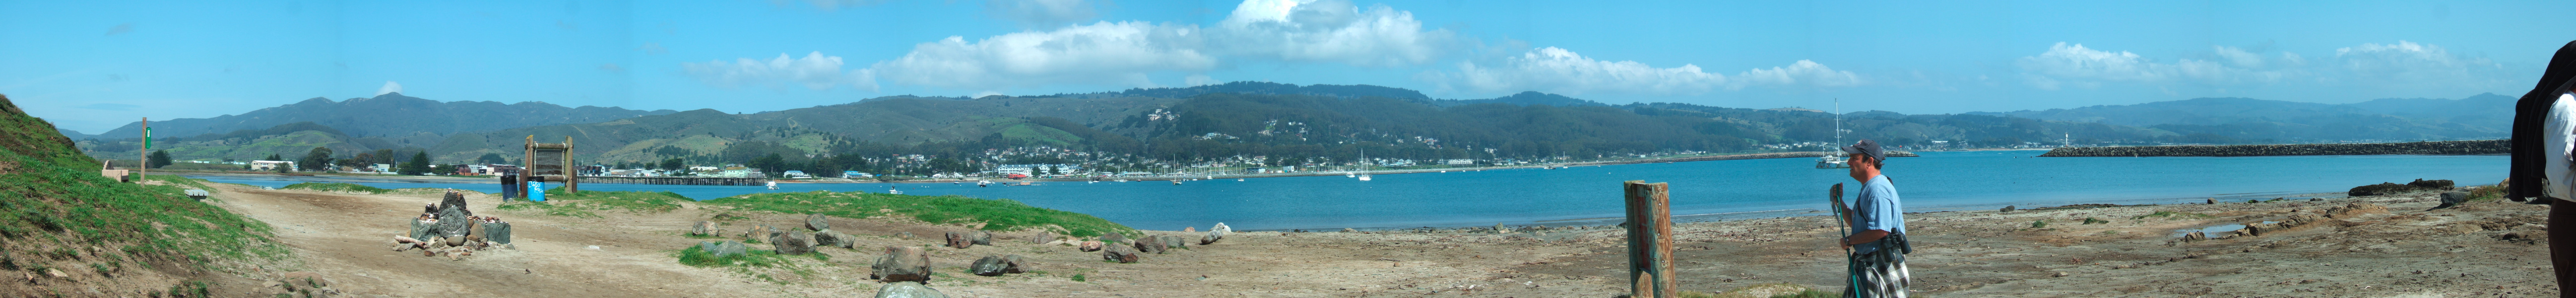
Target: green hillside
pixel 58 215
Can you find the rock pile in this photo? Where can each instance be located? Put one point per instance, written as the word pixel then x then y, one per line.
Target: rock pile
pixel 2384 188
pixel 448 229
pixel 2415 148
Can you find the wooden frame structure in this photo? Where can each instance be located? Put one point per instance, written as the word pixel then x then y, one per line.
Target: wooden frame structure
pixel 550 162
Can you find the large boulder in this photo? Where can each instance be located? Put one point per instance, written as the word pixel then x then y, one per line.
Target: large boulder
pixel 1091 245
pixel 834 239
pixel 1151 245
pixel 1212 237
pixel 793 242
pixel 818 222
pixel 959 240
pixel 1119 253
pixel 423 230
pixel 980 237
pixel 998 265
pixel 498 232
pixel 908 290
pixel 703 228
pixel 452 216
pixel 901 263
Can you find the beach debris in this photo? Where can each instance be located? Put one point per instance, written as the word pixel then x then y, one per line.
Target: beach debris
pixel 1152 245
pixel 1091 245
pixel 958 240
pixel 908 290
pixel 2007 208
pixel 1120 254
pixel 901 263
pixel 793 242
pixel 818 222
pixel 703 228
pixel 998 265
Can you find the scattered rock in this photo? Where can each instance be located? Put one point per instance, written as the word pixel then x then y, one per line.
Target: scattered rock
pixel 1174 242
pixel 794 242
pixel 2348 211
pixel 958 240
pixel 817 222
pixel 703 228
pixel 2007 208
pixel 1042 238
pixel 1091 245
pixel 1151 245
pixel 1500 229
pixel 908 290
pixel 730 247
pixel 902 263
pixel 998 265
pixel 1121 254
pixel 1349 230
pixel 2195 236
pixel 2453 199
pixel 980 237
pixel 834 239
pixel 1211 238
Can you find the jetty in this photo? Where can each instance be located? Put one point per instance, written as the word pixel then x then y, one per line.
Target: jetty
pixel 2478 147
pixel 676 180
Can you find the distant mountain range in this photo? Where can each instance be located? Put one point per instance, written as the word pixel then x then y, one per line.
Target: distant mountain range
pixel 390 114
pixel 1258 119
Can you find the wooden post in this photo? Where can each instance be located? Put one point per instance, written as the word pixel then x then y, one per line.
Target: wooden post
pixel 1650 242
pixel 144 168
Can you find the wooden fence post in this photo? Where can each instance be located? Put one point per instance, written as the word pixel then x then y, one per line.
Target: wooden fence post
pixel 1650 242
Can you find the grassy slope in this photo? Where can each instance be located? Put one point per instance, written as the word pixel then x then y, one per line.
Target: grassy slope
pixel 996 215
pixel 51 196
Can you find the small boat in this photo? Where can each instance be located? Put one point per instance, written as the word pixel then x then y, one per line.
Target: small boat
pixel 1238 179
pixel 892 190
pixel 1349 174
pixel 1831 162
pixel 1364 177
pixel 984 183
pixel 1176 182
pixel 1122 180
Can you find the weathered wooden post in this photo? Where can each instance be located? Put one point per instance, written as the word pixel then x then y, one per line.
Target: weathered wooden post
pixel 1650 242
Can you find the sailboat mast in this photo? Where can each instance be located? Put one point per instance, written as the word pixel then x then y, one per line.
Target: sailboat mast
pixel 1838 122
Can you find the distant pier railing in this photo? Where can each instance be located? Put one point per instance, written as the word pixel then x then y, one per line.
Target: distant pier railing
pixel 676 180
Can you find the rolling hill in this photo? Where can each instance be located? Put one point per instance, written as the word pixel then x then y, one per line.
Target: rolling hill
pixel 391 114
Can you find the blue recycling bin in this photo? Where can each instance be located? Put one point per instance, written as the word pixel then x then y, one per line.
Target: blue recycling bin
pixel 536 191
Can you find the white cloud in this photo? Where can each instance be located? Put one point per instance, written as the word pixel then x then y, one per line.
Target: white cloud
pixel 1100 53
pixel 1557 70
pixel 1041 13
pixel 390 87
pixel 2077 65
pixel 1199 80
pixel 2409 62
pixel 814 71
pixel 1331 31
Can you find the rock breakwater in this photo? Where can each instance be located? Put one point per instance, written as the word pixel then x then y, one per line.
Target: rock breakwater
pixel 2479 147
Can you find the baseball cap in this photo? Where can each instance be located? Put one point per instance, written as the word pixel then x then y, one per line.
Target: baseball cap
pixel 1866 147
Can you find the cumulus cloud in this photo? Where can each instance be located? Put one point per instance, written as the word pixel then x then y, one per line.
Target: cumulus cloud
pixel 1040 13
pixel 1099 53
pixel 390 87
pixel 1557 70
pixel 1330 31
pixel 2077 65
pixel 814 71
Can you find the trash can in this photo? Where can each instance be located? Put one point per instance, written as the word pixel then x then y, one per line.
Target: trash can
pixel 536 190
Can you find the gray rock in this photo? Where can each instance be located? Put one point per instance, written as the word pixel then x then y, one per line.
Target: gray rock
pixel 1174 242
pixel 1151 245
pixel 2006 209
pixel 1118 253
pixel 901 263
pixel 1211 238
pixel 703 228
pixel 423 231
pixel 989 266
pixel 818 222
pixel 834 239
pixel 730 247
pixel 959 240
pixel 1042 238
pixel 452 215
pixel 908 290
pixel 708 246
pixel 980 237
pixel 498 232
pixel 2453 199
pixel 794 242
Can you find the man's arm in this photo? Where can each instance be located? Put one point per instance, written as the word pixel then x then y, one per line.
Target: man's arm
pixel 1865 236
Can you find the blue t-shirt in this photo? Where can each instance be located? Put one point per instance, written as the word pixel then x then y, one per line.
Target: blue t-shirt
pixel 1877 209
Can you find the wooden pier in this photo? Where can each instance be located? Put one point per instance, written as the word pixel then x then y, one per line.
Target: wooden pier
pixel 676 180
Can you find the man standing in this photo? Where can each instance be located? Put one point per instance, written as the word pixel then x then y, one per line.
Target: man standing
pixel 1878 241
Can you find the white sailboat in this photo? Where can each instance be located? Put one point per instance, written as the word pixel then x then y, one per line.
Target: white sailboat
pixel 1364 177
pixel 1831 160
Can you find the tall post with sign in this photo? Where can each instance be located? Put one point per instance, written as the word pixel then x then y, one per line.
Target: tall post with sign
pixel 144 165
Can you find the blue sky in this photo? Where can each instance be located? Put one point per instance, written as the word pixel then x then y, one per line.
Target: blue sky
pixel 91 65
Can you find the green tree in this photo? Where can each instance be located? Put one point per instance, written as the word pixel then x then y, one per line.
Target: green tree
pixel 318 159
pixel 673 164
pixel 419 164
pixel 491 158
pixel 160 158
pixel 771 164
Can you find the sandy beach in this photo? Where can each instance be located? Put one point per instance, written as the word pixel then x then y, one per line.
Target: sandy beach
pixel 2398 249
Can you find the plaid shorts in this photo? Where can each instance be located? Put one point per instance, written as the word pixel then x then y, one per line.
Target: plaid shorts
pixel 1878 274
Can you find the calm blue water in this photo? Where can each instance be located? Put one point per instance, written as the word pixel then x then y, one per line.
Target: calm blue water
pixel 1700 190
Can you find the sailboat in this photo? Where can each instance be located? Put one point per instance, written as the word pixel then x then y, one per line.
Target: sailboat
pixel 1832 160
pixel 1364 177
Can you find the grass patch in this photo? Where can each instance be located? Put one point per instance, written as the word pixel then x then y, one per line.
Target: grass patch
pixel 53 196
pixel 2171 214
pixel 695 257
pixel 2039 224
pixel 336 187
pixel 996 215
pixel 2486 193
pixel 190 183
pixel 1079 278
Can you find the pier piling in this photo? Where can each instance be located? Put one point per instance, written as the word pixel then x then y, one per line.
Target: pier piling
pixel 1650 242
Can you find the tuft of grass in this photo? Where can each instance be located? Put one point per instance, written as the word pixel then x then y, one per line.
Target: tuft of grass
pixel 996 215
pixel 1079 278
pixel 2172 214
pixel 2039 224
pixel 757 258
pixel 2089 220
pixel 2486 193
pixel 336 187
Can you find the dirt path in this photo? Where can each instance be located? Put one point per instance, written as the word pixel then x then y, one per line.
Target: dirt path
pixel 2405 251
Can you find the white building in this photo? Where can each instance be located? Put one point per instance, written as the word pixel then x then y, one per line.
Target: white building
pixel 1459 162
